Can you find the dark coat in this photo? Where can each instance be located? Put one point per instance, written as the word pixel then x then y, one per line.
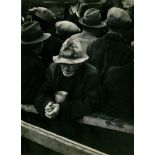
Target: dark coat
pixel 51 48
pixel 110 50
pixel 118 92
pixel 82 91
pixel 32 76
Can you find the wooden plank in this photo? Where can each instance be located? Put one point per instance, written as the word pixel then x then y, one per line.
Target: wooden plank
pixel 108 124
pixel 99 120
pixel 55 142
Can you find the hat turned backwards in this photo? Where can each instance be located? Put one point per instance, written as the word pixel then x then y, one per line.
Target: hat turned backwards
pixel 32 33
pixel 71 53
pixel 118 18
pixel 92 18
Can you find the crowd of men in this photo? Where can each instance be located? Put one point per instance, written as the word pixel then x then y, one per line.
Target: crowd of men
pixel 69 71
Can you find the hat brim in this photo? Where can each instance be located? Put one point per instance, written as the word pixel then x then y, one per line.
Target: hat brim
pixel 45 36
pixel 58 59
pixel 103 24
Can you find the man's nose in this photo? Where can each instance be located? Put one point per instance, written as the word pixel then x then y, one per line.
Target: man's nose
pixel 67 68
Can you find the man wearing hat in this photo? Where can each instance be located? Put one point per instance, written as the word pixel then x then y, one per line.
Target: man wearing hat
pixel 111 54
pixel 74 77
pixel 112 49
pixel 32 68
pixel 92 25
pixel 47 19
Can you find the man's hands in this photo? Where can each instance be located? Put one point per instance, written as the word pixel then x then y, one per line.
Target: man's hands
pixel 51 110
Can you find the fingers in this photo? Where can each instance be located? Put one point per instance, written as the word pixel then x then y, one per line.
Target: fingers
pixel 49 105
pixel 53 112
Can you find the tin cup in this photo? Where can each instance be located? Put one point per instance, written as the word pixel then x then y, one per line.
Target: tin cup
pixel 60 96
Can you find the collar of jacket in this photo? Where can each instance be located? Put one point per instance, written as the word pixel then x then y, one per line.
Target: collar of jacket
pixel 114 36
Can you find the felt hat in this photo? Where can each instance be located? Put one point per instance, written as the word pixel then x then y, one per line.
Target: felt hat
pixel 71 53
pixel 118 18
pixel 32 33
pixel 92 18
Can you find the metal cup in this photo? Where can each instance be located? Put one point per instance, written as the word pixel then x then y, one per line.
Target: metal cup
pixel 60 96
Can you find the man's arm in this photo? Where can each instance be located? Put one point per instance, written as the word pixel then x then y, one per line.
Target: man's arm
pixel 45 93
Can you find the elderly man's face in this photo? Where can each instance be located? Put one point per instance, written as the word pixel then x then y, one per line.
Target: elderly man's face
pixel 69 70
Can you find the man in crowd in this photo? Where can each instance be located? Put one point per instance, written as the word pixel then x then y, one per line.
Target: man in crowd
pixel 92 25
pixel 69 75
pixel 47 20
pixel 112 49
pixel 111 55
pixel 32 68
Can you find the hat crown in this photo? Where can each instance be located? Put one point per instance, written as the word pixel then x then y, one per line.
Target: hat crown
pixel 92 14
pixel 66 27
pixel 117 17
pixel 71 49
pixel 45 14
pixel 31 31
pixel 92 18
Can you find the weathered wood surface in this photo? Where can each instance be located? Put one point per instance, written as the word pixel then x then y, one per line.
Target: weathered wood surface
pixel 103 121
pixel 55 142
pixel 99 120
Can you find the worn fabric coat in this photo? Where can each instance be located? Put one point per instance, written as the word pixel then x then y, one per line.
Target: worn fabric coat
pixel 32 76
pixel 82 90
pixel 110 50
pixel 85 39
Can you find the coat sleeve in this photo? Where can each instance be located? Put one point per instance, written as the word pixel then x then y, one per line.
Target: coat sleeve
pixel 71 110
pixel 45 93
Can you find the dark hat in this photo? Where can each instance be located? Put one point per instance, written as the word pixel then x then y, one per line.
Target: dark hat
pixel 43 13
pixel 66 27
pixel 71 53
pixel 118 18
pixel 92 18
pixel 32 33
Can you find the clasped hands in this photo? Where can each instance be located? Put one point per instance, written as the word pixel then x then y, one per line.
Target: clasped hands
pixel 51 110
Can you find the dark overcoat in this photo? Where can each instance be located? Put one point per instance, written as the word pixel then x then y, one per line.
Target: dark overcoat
pixel 110 50
pixel 32 76
pixel 82 90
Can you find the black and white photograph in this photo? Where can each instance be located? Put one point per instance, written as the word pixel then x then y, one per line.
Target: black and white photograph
pixel 77 77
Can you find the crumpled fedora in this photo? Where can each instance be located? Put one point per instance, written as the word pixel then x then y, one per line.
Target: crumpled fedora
pixel 71 53
pixel 118 18
pixel 32 33
pixel 92 18
pixel 43 13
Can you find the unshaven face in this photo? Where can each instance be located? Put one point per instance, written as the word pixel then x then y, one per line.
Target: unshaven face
pixel 69 70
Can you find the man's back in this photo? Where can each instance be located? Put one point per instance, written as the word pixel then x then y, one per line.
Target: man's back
pixel 110 50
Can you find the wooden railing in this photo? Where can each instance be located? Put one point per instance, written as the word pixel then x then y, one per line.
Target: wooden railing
pixel 55 142
pixel 99 120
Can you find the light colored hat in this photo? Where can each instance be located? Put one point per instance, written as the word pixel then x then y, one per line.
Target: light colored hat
pixel 66 27
pixel 43 13
pixel 118 18
pixel 32 33
pixel 71 53
pixel 92 18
